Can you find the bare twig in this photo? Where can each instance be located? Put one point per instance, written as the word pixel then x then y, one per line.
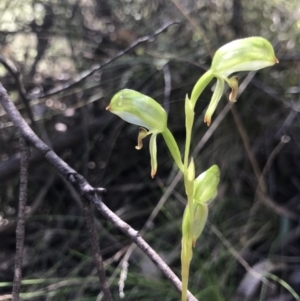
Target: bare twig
pixel 237 256
pixel 84 75
pixel 84 188
pixel 247 146
pixel 260 195
pixel 88 210
pixel 194 23
pixel 20 231
pixel 261 190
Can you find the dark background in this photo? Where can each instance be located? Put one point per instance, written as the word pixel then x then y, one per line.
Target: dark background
pixel 52 43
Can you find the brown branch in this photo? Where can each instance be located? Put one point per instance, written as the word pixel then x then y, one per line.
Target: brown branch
pixel 20 231
pixel 88 210
pixel 85 189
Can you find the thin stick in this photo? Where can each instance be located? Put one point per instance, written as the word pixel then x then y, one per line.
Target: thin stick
pixel 236 255
pixel 260 192
pixel 87 73
pixel 88 210
pixel 194 23
pixel 20 231
pixel 247 146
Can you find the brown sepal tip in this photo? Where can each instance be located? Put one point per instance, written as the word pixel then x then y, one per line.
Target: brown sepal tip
pixel 207 120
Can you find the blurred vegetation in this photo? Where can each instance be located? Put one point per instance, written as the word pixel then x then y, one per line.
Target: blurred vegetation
pixel 53 43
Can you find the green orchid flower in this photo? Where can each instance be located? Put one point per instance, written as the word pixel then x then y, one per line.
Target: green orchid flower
pixel 142 110
pixel 249 54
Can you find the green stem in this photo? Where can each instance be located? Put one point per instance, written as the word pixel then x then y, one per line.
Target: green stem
pixel 186 256
pixel 204 80
pixel 173 148
pixel 189 178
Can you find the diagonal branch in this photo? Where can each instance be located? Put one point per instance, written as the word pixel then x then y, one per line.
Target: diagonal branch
pixel 84 75
pixel 85 189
